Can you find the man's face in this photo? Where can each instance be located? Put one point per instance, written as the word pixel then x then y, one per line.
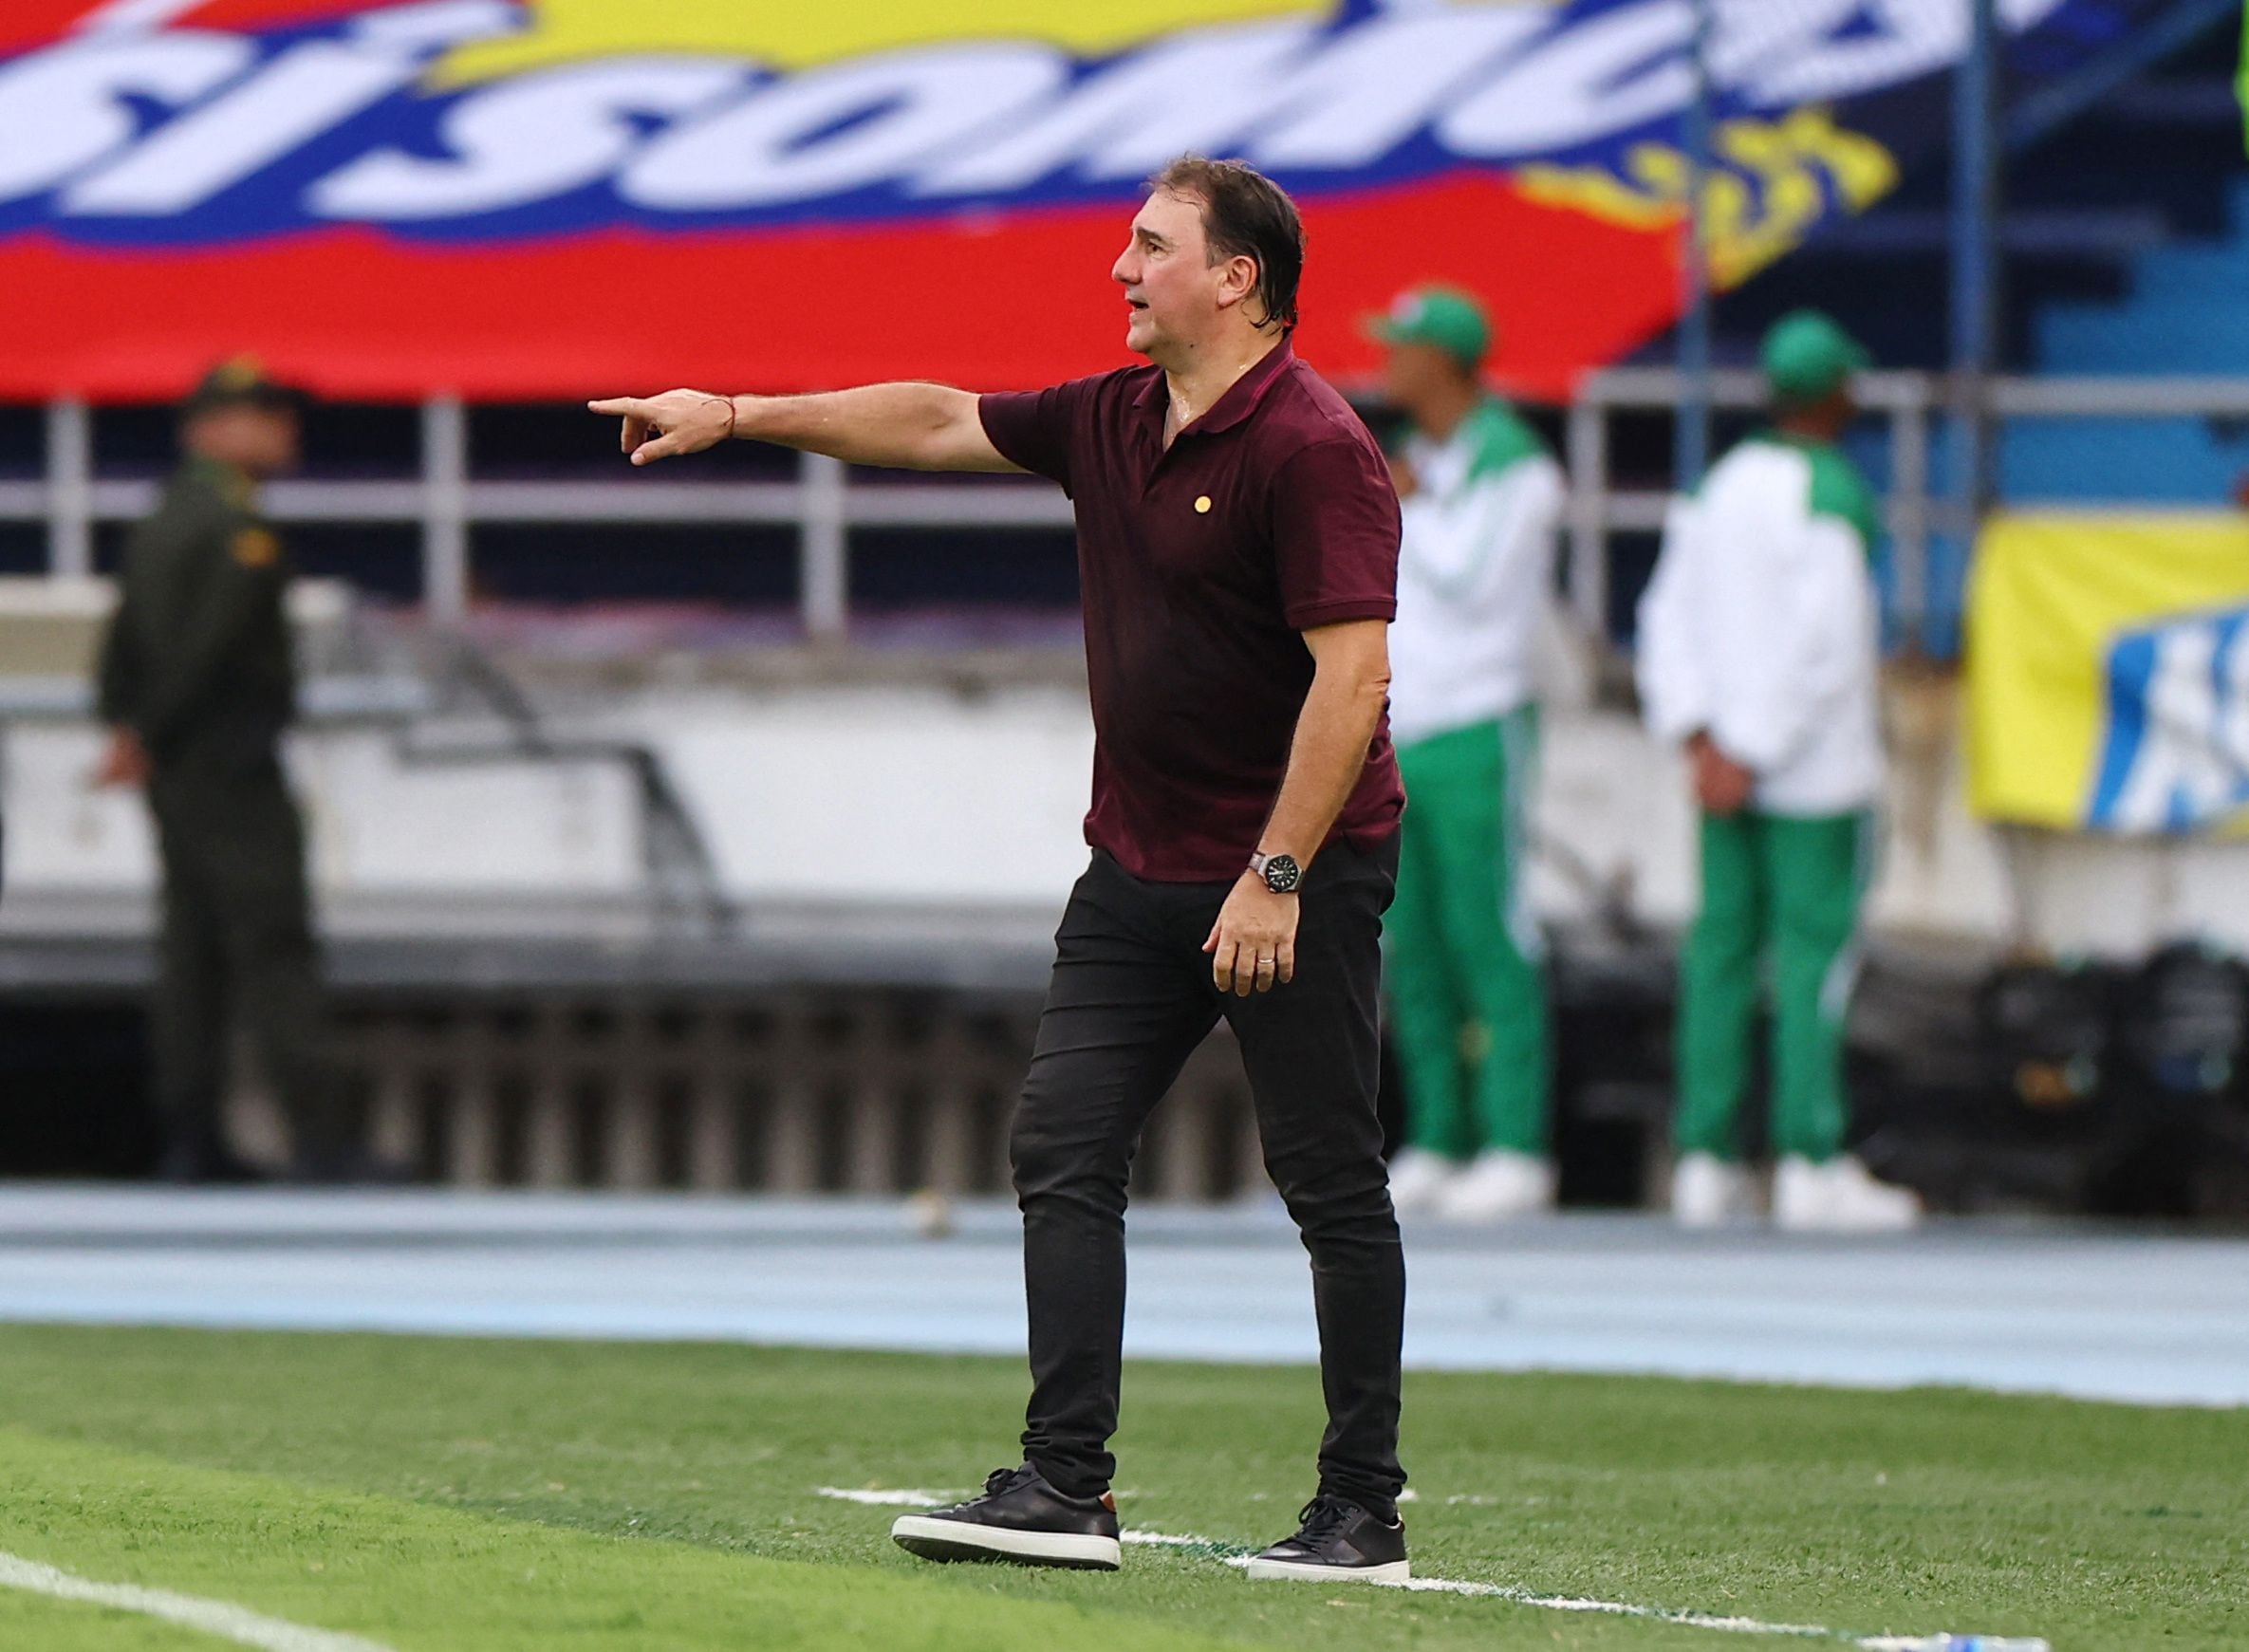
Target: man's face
pixel 1412 373
pixel 263 440
pixel 1174 291
pixel 1832 414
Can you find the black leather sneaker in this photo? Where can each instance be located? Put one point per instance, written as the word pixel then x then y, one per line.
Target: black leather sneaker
pixel 1020 1518
pixel 1338 1542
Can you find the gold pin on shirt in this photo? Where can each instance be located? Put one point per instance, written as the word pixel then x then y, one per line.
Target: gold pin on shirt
pixel 1202 505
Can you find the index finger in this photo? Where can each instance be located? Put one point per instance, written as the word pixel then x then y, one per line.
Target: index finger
pixel 636 413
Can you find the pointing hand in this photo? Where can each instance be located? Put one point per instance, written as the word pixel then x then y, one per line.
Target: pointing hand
pixel 679 421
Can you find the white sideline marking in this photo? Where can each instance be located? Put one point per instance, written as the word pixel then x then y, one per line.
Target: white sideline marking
pixel 906 1499
pixel 1234 1555
pixel 910 1499
pixel 220 1618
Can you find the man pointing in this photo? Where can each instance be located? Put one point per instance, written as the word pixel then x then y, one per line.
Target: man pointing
pixel 1237 540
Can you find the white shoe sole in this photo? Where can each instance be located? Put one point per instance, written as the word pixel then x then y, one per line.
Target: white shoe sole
pixel 1496 1215
pixel 934 1539
pixel 1705 1222
pixel 1823 1223
pixel 1300 1571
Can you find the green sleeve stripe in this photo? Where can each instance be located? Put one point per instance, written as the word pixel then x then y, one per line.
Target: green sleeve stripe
pixel 1840 491
pixel 1503 439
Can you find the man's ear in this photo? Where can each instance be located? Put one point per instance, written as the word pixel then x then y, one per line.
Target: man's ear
pixel 1238 282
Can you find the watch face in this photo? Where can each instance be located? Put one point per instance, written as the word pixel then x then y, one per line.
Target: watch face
pixel 1281 874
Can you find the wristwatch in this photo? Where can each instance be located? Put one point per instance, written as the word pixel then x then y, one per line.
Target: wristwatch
pixel 1281 872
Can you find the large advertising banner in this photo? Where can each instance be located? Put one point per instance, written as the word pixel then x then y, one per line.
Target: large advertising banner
pixel 529 198
pixel 2109 672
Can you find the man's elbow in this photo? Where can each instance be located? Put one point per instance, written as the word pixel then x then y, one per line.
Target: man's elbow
pixel 952 435
pixel 1364 684
pixel 1351 661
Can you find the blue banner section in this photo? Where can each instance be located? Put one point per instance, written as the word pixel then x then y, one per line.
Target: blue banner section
pixel 468 119
pixel 2109 672
pixel 2174 758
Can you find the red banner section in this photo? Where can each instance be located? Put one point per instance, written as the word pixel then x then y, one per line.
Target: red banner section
pixel 534 198
pixel 353 312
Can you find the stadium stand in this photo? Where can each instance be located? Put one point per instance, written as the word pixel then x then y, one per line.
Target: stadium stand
pixel 633 932
pixel 2181 314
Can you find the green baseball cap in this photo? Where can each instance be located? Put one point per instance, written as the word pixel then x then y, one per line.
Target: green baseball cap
pixel 1443 316
pixel 243 381
pixel 1807 357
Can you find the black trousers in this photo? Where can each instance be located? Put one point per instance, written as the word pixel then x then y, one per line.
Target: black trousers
pixel 1131 997
pixel 237 938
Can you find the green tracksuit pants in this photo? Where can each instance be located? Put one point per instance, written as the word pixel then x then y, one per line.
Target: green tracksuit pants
pixel 1463 953
pixel 1780 901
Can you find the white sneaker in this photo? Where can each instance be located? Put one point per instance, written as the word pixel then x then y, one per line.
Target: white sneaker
pixel 1499 1185
pixel 1840 1196
pixel 1706 1192
pixel 1418 1177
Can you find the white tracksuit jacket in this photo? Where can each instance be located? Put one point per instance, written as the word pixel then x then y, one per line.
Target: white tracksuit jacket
pixel 1762 626
pixel 1475 574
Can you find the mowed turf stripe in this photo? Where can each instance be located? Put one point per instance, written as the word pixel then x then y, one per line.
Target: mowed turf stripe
pixel 221 1617
pixel 2107 1528
pixel 1239 1555
pixel 35 1622
pixel 378 1572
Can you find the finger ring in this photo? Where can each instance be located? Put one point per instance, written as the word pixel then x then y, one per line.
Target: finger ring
pixel 1267 964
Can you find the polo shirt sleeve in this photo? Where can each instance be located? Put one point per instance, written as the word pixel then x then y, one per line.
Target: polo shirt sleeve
pixel 1336 534
pixel 1036 429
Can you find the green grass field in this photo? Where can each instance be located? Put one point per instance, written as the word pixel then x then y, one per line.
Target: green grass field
pixel 442 1495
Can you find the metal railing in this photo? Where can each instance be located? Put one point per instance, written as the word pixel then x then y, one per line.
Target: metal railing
pixel 1913 406
pixel 1907 400
pixel 825 501
pixel 824 504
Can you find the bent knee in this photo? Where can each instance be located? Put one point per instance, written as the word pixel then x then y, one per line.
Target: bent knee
pixel 1044 1161
pixel 1353 1201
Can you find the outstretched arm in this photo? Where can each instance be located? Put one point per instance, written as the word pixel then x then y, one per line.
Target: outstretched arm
pixel 914 427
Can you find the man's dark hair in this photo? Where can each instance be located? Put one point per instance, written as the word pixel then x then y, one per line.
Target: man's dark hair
pixel 1245 215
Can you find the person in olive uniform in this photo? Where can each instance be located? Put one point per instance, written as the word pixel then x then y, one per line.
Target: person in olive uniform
pixel 197 685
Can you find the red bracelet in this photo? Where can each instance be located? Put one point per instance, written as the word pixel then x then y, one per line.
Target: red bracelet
pixel 729 416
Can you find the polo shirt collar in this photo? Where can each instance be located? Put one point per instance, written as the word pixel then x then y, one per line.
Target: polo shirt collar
pixel 1242 396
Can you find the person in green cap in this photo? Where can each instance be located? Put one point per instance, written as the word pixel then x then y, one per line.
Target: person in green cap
pixel 197 684
pixel 1758 652
pixel 1482 504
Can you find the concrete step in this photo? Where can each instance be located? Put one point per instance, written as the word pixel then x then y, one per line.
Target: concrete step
pixel 2172 461
pixel 2174 276
pixel 2177 339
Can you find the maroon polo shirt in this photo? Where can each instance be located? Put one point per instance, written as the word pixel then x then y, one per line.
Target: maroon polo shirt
pixel 1200 567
